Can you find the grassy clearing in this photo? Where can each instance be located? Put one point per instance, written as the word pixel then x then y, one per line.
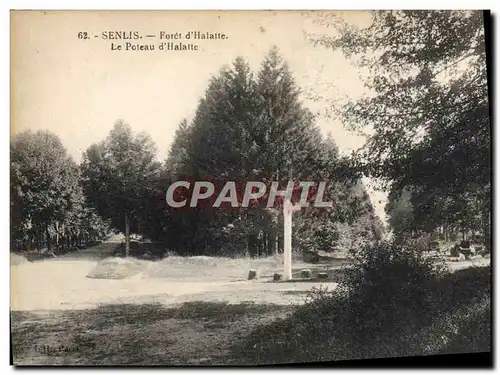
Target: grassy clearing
pixel 449 315
pixel 191 334
pixel 118 268
pixel 203 268
pixel 207 333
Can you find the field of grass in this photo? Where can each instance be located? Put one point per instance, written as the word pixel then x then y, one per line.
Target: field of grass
pixel 218 333
pixel 203 311
pixel 194 333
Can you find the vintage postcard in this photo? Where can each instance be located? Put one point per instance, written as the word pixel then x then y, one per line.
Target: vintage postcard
pixel 227 188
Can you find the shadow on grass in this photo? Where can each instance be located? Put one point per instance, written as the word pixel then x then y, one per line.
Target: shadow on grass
pixel 190 334
pixel 211 333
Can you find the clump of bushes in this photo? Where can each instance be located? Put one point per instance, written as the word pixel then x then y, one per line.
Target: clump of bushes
pixel 390 288
pixel 391 302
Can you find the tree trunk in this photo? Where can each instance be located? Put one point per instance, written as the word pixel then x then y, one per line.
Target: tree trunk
pixel 57 234
pixel 277 247
pixel 127 235
pixel 264 245
pixel 486 231
pixel 30 241
pixel 256 245
pixel 39 239
pixel 47 238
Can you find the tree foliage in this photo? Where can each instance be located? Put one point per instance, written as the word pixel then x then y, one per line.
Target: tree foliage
pixel 427 104
pixel 48 208
pixel 253 127
pixel 119 176
pixel 249 126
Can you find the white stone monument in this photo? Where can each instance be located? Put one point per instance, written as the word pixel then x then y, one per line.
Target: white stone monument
pixel 288 209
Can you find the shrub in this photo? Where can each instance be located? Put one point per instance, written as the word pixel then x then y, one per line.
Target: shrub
pixel 462 287
pixel 392 302
pixel 389 286
pixel 463 329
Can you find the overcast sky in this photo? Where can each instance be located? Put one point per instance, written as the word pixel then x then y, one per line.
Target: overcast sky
pixel 79 88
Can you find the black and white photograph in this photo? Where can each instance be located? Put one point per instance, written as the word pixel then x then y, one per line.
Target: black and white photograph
pixel 249 188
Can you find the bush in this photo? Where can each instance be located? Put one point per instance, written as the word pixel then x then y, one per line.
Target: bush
pixel 391 302
pixel 463 329
pixel 462 287
pixel 390 288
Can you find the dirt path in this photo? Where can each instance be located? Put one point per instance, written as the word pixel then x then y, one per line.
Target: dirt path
pixel 94 253
pixel 59 316
pixel 62 284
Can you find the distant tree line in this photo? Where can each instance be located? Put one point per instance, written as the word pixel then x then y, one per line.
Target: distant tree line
pixel 426 104
pixel 48 206
pixel 249 126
